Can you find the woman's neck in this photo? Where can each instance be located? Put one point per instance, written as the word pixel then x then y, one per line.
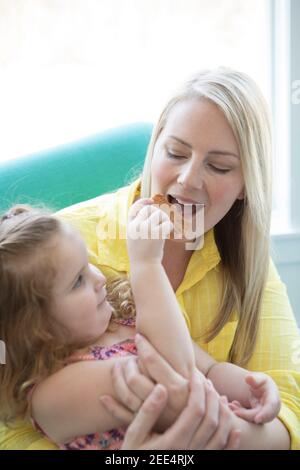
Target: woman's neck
pixel 175 262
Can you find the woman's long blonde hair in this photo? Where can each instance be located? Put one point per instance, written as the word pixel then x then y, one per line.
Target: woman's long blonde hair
pixel 35 343
pixel 242 236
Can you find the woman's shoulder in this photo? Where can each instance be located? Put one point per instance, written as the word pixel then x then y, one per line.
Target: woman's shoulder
pixel 274 283
pixel 101 204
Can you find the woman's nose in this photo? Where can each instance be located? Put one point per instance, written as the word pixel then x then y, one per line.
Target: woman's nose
pixel 191 176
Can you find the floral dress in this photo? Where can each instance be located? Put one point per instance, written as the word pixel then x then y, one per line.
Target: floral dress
pixel 112 439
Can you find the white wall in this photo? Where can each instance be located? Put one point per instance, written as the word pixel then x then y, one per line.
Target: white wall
pixel 287 245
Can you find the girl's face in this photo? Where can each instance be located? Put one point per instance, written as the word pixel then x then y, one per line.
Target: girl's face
pixel 79 294
pixel 196 160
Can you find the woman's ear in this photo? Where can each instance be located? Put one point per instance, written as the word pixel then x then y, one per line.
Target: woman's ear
pixel 241 196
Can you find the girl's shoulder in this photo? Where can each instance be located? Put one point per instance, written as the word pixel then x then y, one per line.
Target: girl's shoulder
pixel 125 321
pixel 113 344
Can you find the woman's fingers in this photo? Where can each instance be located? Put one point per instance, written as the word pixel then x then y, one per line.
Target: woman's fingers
pixel 220 439
pixel 116 409
pixel 123 392
pixel 181 433
pixel 157 367
pixel 210 421
pixel 138 383
pixel 234 440
pixel 139 431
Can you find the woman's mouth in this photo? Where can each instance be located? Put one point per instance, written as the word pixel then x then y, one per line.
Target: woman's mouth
pixel 184 204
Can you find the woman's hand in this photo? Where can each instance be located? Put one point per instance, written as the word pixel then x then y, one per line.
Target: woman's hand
pixel 264 399
pixel 147 229
pixel 134 379
pixel 193 429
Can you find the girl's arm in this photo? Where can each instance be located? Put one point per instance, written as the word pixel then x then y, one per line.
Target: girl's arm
pixel 159 317
pixel 66 404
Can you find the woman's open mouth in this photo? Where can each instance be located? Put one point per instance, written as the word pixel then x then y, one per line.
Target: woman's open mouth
pixel 185 207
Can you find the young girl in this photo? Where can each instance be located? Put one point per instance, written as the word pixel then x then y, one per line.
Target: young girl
pixel 63 337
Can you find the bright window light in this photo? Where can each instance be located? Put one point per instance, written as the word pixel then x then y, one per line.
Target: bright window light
pixel 69 69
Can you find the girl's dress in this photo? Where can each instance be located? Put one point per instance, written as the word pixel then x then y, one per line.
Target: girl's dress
pixel 112 439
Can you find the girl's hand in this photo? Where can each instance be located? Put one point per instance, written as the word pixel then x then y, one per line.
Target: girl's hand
pixel 195 428
pixel 264 400
pixel 147 229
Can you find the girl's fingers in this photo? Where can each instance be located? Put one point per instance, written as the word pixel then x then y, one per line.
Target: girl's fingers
pixel 256 380
pixel 141 426
pixel 247 414
pixel 162 231
pixel 268 412
pixel 137 207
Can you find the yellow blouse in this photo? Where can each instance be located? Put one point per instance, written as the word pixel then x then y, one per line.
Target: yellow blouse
pixel 277 349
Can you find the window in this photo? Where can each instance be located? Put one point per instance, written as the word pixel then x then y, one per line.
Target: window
pixel 72 68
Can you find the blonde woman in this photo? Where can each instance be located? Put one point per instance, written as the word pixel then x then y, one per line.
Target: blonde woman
pixel 212 146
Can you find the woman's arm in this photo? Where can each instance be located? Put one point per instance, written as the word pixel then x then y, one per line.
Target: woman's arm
pixel 188 431
pixel 272 435
pixel 158 314
pixel 277 353
pixel 254 395
pixel 268 436
pixel 66 404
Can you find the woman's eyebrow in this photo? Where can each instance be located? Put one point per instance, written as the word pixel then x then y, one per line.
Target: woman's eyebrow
pixel 222 152
pixel 181 141
pixel 211 152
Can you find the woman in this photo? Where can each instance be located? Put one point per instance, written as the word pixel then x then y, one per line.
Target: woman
pixel 211 145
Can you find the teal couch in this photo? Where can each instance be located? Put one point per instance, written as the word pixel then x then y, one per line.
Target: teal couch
pixel 76 171
pixel 65 175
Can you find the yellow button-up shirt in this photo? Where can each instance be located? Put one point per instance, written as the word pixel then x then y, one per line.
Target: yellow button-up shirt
pixel 102 223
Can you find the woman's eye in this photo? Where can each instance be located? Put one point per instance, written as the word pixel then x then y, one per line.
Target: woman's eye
pixel 173 155
pixel 78 282
pixel 219 170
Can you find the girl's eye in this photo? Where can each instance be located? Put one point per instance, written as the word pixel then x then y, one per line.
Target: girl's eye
pixel 79 282
pixel 219 170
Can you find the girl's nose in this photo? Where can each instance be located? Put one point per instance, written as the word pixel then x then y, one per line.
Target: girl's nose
pixel 100 282
pixel 98 277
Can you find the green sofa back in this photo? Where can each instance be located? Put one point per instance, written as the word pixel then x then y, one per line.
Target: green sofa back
pixel 76 171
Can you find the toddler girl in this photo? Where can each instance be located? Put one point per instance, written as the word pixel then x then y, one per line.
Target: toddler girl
pixel 63 337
